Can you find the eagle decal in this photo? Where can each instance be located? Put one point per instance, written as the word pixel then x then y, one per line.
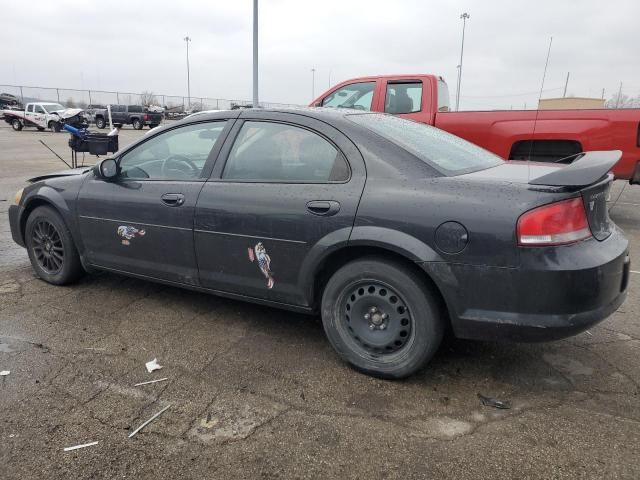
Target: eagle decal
pixel 259 253
pixel 128 233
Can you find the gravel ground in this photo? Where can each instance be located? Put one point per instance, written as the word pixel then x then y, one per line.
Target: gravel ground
pixel 255 392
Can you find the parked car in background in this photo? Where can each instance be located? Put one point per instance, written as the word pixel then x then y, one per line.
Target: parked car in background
pixel 392 230
pixel 135 115
pixel 510 133
pixel 42 115
pixel 10 102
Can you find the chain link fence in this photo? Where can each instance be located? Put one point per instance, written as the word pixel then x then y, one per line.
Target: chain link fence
pixel 75 98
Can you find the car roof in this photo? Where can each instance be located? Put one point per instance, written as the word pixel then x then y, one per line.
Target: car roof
pixel 319 113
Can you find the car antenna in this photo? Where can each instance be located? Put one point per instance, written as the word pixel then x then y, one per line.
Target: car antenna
pixel 51 150
pixel 535 120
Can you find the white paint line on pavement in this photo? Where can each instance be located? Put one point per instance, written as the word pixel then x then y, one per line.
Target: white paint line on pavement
pixel 68 449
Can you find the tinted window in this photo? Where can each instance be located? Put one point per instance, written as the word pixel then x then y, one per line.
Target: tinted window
pixel 30 108
pixel 274 152
pixel 178 154
pixel 39 109
pixel 403 97
pixel 355 95
pixel 447 153
pixel 135 109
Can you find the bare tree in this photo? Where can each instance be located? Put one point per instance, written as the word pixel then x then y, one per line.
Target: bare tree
pixel 148 98
pixel 623 101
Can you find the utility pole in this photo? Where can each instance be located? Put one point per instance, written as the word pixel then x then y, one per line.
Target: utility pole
pixel 187 39
pixel 313 83
pixel 565 85
pixel 255 54
pixel 619 95
pixel 603 93
pixel 464 18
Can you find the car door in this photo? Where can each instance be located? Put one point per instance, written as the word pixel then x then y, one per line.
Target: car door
pixel 142 222
pixel 285 188
pixel 30 114
pixel 39 116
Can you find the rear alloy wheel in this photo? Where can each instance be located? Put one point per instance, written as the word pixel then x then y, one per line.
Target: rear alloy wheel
pixel 17 125
pixel 100 123
pixel 381 318
pixel 51 249
pixel 137 124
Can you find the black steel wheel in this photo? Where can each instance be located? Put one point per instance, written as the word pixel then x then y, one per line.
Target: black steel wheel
pixel 100 122
pixel 17 125
pixel 51 249
pixel 381 317
pixel 376 317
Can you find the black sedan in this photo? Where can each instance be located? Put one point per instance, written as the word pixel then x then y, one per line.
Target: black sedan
pixel 394 231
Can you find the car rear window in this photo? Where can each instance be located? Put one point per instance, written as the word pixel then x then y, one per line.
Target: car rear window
pixel 446 153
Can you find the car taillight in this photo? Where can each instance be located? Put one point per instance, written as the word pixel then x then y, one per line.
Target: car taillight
pixel 146 117
pixel 554 224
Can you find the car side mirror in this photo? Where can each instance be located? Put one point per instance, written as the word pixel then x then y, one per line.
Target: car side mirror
pixel 107 169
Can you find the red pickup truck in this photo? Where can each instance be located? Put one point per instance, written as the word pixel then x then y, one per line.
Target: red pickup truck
pixel 508 133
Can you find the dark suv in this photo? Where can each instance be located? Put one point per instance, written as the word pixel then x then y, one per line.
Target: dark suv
pixel 134 115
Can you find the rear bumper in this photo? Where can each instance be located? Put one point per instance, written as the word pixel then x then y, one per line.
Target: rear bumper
pixel 15 214
pixel 555 293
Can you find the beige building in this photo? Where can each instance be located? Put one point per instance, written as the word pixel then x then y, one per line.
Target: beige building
pixel 570 103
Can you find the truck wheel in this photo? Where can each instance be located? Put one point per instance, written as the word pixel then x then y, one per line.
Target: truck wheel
pixel 381 318
pixel 17 125
pixel 54 126
pixel 51 249
pixel 100 123
pixel 137 124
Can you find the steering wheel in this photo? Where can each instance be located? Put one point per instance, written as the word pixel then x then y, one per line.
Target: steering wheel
pixel 180 163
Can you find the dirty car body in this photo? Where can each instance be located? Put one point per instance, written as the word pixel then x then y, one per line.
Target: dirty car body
pixel 299 208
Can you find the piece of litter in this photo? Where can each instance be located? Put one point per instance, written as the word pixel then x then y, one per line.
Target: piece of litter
pixel 153 365
pixel 95 348
pixel 68 449
pixel 148 421
pixel 151 381
pixel 4 373
pixel 588 333
pixel 494 402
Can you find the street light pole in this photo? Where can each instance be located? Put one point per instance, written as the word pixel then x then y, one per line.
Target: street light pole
pixel 313 84
pixel 187 39
pixel 255 54
pixel 464 18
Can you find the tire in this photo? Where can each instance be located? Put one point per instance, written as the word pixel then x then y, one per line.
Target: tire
pixel 100 123
pixel 354 304
pixel 17 125
pixel 52 251
pixel 137 124
pixel 54 126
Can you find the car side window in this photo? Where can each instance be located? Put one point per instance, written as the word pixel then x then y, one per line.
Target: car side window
pixel 30 108
pixel 276 152
pixel 403 97
pixel 39 109
pixel 355 95
pixel 178 154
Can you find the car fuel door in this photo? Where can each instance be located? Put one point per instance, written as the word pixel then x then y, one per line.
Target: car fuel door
pixel 284 191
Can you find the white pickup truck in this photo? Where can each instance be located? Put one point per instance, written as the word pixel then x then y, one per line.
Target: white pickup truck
pixel 44 115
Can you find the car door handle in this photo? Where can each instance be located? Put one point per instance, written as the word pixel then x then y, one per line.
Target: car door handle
pixel 173 199
pixel 323 207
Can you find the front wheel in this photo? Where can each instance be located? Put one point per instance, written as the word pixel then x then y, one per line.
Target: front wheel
pixel 54 126
pixel 17 125
pixel 100 123
pixel 137 124
pixel 51 249
pixel 381 318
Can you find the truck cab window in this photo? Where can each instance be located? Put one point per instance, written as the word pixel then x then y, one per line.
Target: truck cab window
pixel 30 108
pixel 39 109
pixel 358 96
pixel 403 97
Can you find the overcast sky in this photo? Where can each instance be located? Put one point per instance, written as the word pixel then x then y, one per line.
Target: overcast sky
pixel 138 45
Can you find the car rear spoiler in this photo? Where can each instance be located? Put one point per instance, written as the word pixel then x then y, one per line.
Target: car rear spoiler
pixel 584 170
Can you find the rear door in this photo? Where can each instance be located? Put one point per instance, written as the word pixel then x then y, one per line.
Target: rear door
pixel 285 188
pixel 142 222
pixel 405 98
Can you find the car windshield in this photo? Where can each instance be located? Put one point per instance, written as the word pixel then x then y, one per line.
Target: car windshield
pixel 446 153
pixel 52 107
